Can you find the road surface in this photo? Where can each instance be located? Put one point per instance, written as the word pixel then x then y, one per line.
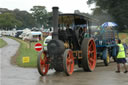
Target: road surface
pixel 14 75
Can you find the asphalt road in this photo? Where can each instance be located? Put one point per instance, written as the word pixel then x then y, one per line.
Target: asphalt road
pixel 14 75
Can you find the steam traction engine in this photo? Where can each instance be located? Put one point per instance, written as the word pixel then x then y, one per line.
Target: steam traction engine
pixel 68 46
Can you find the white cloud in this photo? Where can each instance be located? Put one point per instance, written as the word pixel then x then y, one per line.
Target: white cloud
pixel 66 6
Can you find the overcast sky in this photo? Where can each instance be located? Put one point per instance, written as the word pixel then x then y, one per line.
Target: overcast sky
pixel 65 6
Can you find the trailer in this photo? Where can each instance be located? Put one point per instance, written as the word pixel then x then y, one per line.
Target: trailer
pixel 105 40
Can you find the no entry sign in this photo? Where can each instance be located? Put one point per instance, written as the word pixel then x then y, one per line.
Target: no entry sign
pixel 38 47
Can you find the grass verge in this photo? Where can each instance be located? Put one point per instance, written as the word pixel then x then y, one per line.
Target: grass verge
pixel 26 51
pixel 2 43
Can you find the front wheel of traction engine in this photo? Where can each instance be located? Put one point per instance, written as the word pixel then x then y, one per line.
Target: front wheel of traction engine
pixel 68 62
pixel 42 63
pixel 88 54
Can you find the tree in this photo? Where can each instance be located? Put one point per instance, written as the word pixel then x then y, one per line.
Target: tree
pixel 25 17
pixel 102 16
pixel 40 14
pixel 8 21
pixel 116 8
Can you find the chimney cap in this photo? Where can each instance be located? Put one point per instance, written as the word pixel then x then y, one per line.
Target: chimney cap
pixel 55 7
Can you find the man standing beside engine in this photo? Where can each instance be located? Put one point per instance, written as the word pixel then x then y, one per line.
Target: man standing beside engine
pixel 121 57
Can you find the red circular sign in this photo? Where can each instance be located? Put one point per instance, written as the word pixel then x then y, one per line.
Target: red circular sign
pixel 38 47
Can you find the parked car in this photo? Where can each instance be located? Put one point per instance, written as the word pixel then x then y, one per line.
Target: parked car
pixel 18 33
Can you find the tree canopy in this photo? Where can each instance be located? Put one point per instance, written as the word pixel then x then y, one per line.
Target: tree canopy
pixel 40 14
pixel 25 17
pixel 9 21
pixel 116 8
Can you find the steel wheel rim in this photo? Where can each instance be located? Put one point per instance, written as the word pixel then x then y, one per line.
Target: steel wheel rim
pixel 70 62
pixel 92 54
pixel 43 66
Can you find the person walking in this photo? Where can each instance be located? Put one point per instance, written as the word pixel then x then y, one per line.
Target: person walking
pixel 121 58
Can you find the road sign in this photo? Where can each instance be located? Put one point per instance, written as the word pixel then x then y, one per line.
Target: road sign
pixel 25 59
pixel 38 47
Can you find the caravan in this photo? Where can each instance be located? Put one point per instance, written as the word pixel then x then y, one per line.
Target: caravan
pixel 33 36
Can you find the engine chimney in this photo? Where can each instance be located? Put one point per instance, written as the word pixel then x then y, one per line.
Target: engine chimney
pixel 55 23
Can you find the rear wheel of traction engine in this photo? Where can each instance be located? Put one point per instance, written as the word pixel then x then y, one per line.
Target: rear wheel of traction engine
pixel 88 54
pixel 42 64
pixel 68 62
pixel 107 60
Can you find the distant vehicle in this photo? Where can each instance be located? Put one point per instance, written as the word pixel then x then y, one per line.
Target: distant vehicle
pixel 18 33
pixel 8 33
pixel 33 36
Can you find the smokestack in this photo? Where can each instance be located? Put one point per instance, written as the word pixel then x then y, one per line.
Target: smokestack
pixel 55 23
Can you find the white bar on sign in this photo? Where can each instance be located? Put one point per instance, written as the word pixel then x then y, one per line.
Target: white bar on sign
pixel 38 47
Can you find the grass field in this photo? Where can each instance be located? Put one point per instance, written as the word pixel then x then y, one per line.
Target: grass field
pixel 26 51
pixel 2 43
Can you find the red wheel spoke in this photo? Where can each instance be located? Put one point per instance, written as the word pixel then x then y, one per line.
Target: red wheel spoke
pixel 68 61
pixel 91 59
pixel 42 66
pixel 68 58
pixel 70 54
pixel 89 52
pixel 42 62
pixel 91 45
pixel 90 64
pixel 92 51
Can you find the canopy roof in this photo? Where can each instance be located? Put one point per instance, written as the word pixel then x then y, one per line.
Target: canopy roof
pixel 77 19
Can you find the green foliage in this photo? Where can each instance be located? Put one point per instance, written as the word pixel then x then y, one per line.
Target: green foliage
pixel 116 8
pixel 102 16
pixel 40 14
pixel 9 21
pixel 22 19
pixel 25 17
